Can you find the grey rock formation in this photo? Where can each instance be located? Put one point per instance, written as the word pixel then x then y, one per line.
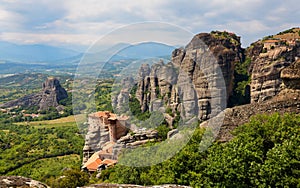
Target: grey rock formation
pixel 20 182
pixel 134 140
pixel 120 97
pixel 199 77
pixel 155 83
pixel 52 92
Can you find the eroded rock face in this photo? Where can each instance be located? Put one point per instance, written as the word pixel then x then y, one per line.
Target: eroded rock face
pixel 20 182
pixel 270 68
pixel 291 76
pixel 120 100
pixel 154 83
pixel 130 141
pixel 198 77
pixel 52 92
pixel 286 101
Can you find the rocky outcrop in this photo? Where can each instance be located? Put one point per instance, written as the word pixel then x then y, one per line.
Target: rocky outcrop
pixel 134 139
pixel 172 133
pixel 275 68
pixel 199 76
pixel 26 101
pixel 121 98
pixel 154 84
pixel 20 182
pixel 52 92
pixel 209 61
pixel 286 101
pixel 107 136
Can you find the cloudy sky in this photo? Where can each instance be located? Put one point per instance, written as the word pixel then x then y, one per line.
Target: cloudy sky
pixel 74 23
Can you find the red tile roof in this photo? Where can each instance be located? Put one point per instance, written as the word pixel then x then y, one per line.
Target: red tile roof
pixel 105 114
pixel 108 115
pixel 271 41
pixel 109 162
pixel 94 165
pixel 93 162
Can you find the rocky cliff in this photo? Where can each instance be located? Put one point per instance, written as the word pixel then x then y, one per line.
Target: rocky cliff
pixel 52 92
pixel 197 75
pixel 213 70
pixel 286 101
pixel 275 65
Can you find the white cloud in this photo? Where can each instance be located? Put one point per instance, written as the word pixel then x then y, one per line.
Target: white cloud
pixel 250 27
pixel 82 21
pixel 5 15
pixel 53 39
pixel 8 20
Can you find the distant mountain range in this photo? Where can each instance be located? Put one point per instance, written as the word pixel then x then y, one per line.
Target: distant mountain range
pixel 144 51
pixel 33 53
pixel 123 51
pixel 16 58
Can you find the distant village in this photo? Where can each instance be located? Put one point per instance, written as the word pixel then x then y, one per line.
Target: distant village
pixel 13 113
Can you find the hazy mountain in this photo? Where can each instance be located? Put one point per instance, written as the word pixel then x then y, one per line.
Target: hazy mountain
pixel 123 51
pixel 144 51
pixel 15 58
pixel 33 53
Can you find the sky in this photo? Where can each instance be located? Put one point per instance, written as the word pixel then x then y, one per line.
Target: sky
pixel 78 24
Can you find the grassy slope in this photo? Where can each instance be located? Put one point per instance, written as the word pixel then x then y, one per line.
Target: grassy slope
pixel 41 150
pixel 61 122
pixel 44 169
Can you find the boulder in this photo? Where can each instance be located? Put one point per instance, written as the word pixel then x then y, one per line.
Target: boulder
pixel 20 182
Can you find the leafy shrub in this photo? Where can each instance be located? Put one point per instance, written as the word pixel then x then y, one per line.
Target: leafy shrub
pixel 241 80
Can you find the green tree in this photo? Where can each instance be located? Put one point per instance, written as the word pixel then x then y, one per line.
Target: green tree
pixel 71 178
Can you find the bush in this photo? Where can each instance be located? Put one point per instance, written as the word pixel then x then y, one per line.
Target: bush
pixel 70 179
